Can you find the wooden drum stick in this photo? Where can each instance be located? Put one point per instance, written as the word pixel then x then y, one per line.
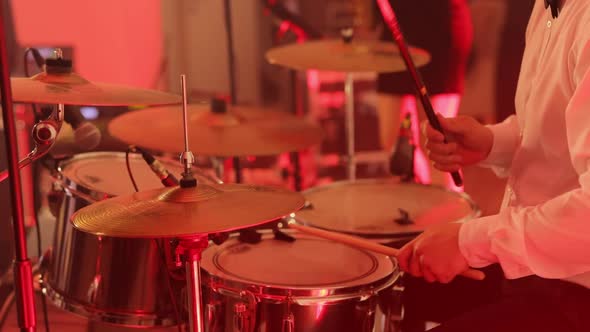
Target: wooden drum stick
pixel 359 242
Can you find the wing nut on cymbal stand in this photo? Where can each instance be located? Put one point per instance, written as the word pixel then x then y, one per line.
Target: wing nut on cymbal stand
pixel 45 132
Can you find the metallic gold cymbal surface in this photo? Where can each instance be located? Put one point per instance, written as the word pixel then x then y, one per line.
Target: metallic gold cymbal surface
pixel 335 55
pixel 240 131
pixel 181 212
pixel 72 89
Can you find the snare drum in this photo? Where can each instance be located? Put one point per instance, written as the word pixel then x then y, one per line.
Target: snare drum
pixel 308 285
pixel 375 208
pixel 113 280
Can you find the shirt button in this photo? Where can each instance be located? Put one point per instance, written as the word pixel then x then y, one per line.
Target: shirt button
pixel 549 24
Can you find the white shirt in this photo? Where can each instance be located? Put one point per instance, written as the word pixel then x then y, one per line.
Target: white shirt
pixel 543 227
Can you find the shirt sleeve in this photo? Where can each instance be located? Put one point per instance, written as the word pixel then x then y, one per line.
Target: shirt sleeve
pixel 551 239
pixel 506 141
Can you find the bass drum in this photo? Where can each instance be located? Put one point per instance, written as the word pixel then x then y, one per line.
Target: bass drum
pixel 298 284
pixel 113 280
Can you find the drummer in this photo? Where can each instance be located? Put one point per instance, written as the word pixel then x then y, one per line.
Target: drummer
pixel 541 235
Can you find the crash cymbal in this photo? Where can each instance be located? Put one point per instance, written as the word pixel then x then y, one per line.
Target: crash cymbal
pixel 238 131
pixel 72 89
pixel 178 212
pixel 336 55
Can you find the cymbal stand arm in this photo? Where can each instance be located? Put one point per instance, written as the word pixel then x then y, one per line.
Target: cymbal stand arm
pixel 186 158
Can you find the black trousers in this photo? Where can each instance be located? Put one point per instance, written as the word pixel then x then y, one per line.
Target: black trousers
pixel 528 304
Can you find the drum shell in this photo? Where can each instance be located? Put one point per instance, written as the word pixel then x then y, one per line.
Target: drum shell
pixel 363 313
pixel 113 280
pixel 239 306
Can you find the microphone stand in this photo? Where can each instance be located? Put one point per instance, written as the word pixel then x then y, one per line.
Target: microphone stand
pixel 232 75
pixel 23 275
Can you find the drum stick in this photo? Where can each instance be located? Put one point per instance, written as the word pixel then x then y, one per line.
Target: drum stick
pixel 391 21
pixel 358 242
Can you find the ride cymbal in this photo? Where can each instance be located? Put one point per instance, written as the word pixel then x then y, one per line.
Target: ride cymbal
pixel 336 55
pixel 237 131
pixel 183 212
pixel 72 89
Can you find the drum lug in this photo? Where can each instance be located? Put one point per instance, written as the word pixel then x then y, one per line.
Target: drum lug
pixel 242 317
pixel 369 321
pixel 55 198
pixel 214 312
pixel 288 323
pixel 245 313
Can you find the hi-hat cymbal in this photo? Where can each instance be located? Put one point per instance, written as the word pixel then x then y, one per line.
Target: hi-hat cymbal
pixel 336 55
pixel 72 89
pixel 239 131
pixel 180 212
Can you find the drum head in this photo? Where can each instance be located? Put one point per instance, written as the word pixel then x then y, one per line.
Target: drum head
pixel 308 264
pixel 372 207
pixel 105 173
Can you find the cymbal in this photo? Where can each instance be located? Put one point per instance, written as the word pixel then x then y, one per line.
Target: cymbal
pixel 72 89
pixel 181 212
pixel 335 55
pixel 240 131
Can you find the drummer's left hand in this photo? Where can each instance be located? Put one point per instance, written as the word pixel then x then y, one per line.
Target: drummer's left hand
pixel 434 255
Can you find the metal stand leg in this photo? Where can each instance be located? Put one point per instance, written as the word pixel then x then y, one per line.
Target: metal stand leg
pixel 349 119
pixel 193 249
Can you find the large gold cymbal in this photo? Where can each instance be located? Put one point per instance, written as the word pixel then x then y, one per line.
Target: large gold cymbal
pixel 240 131
pixel 72 89
pixel 336 55
pixel 180 212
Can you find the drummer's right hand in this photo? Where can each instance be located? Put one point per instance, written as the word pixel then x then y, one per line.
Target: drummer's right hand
pixel 469 142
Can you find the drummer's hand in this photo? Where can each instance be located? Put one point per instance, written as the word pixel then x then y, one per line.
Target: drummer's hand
pixel 434 255
pixel 470 142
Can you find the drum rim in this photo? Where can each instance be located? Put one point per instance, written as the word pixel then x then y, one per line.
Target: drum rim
pixel 135 319
pixel 475 210
pixel 73 187
pixel 280 293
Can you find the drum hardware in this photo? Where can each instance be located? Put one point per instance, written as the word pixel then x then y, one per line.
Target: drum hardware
pixel 349 56
pixel 298 224
pixel 404 218
pixel 391 21
pixel 43 134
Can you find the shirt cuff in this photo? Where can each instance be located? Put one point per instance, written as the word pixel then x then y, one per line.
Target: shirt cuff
pixel 506 139
pixel 475 242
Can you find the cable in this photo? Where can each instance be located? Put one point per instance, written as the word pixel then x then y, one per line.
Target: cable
pixel 130 149
pixel 169 285
pixel 37 57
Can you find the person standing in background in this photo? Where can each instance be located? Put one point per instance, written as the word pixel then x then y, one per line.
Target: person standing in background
pixel 444 29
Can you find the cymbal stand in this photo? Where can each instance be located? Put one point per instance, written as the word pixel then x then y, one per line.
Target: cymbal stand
pixel 347 35
pixel 45 132
pixel 191 247
pixel 23 274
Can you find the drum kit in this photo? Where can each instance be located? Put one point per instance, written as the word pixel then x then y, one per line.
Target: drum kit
pixel 167 256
